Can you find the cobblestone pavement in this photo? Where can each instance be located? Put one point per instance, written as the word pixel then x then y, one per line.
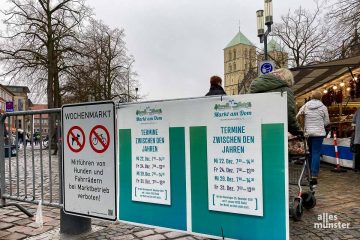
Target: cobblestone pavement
pixel 337 194
pixel 16 225
pixel 26 179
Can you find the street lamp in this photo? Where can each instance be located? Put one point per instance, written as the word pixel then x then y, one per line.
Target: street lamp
pixel 268 22
pixel 136 96
pixel 128 80
pixel 260 22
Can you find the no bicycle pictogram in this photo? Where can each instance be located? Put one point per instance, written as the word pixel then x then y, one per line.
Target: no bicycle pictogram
pixel 99 138
pixel 75 139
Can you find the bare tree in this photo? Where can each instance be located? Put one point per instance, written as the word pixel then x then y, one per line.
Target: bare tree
pixel 104 68
pixel 304 35
pixel 345 16
pixel 36 40
pixel 346 13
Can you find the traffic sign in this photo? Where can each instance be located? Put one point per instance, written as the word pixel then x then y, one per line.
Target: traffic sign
pixel 99 138
pixel 266 67
pixel 89 177
pixel 75 139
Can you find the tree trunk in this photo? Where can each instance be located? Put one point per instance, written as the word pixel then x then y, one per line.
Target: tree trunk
pixel 57 96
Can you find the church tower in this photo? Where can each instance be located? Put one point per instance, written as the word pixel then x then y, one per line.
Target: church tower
pixel 239 60
pixel 277 54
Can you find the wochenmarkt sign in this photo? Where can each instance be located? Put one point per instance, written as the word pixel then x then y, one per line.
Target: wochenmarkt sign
pixel 89 160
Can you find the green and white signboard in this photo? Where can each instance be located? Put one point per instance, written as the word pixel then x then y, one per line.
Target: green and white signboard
pixel 150 164
pixel 214 166
pixel 234 158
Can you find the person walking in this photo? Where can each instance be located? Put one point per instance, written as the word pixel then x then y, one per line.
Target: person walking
pixel 316 119
pixel 38 138
pixel 20 135
pixel 27 139
pixel 279 80
pixel 215 86
pixel 34 139
pixel 356 124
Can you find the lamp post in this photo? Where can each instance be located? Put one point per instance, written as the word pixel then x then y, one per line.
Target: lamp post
pixel 268 13
pixel 128 80
pixel 136 91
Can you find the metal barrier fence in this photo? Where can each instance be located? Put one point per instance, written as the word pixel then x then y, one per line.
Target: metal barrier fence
pixel 29 170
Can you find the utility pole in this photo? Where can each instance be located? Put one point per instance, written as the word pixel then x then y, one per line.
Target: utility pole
pixel 128 80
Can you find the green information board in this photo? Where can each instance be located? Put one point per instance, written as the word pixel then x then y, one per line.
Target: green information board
pixel 213 166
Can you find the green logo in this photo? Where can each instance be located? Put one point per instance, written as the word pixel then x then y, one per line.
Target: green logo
pixel 222 106
pixel 148 111
pixel 231 104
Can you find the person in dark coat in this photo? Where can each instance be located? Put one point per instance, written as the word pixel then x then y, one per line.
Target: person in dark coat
pixel 356 124
pixel 279 81
pixel 20 137
pixel 215 86
pixel 6 137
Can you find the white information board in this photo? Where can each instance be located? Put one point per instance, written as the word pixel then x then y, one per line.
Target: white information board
pixel 150 166
pixel 234 158
pixel 89 160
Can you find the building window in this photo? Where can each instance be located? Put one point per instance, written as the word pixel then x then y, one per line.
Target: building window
pixel 234 54
pixel 230 69
pixel 20 105
pixel 234 66
pixel 252 53
pixel 229 55
pixel 246 53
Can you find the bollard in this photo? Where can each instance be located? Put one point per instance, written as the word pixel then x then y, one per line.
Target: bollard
pixel 338 168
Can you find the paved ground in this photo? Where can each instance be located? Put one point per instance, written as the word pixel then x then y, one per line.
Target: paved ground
pixel 337 194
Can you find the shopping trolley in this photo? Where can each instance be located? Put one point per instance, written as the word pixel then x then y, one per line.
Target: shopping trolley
pixel 300 175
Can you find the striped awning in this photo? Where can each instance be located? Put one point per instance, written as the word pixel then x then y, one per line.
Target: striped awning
pixel 308 78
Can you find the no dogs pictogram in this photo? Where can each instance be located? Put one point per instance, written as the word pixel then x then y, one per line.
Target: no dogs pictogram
pixel 99 138
pixel 75 139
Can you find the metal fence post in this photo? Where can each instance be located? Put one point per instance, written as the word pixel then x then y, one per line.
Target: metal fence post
pixel 69 224
pixel 2 157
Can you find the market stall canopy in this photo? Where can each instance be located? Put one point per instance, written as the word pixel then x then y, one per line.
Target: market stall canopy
pixel 308 78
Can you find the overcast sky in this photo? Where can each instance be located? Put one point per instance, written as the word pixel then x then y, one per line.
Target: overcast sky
pixel 178 44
